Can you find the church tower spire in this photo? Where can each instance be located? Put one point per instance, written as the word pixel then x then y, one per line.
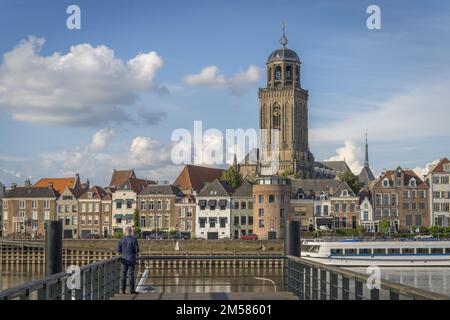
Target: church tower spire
pixel 366 158
pixel 283 39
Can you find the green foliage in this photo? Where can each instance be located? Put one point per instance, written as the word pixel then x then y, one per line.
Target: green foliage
pixel 232 176
pixel 347 232
pixel 118 234
pixel 352 181
pixel 290 173
pixel 384 226
pixel 361 230
pixel 136 220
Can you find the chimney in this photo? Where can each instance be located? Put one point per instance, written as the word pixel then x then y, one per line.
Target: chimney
pixel 27 183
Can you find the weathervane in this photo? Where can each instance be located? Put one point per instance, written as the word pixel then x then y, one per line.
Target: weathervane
pixel 283 39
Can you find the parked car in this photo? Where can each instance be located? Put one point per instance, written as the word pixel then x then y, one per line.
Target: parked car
pixel 180 236
pixel 250 236
pixel 91 236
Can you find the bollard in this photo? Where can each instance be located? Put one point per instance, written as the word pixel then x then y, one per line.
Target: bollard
pixel 53 247
pixel 292 239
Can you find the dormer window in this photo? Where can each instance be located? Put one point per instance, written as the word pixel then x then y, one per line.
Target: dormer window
pixel 412 182
pixel 90 195
pixel 385 183
pixel 447 167
pixel 344 193
pixel 399 174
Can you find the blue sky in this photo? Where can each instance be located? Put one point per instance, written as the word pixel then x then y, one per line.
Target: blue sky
pixel 391 82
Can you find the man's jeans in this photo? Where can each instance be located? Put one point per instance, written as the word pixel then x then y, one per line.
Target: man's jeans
pixel 128 268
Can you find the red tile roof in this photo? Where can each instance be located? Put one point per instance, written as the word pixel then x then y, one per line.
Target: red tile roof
pixel 59 184
pixel 98 193
pixel 119 177
pixel 407 175
pixel 194 177
pixel 440 166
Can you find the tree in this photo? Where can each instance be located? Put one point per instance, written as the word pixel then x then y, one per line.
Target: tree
pixel 351 180
pixel 384 226
pixel 136 223
pixel 232 176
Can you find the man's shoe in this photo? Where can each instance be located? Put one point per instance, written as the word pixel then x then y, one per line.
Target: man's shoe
pixel 134 292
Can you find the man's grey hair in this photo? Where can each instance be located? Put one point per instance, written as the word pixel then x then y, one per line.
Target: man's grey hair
pixel 128 231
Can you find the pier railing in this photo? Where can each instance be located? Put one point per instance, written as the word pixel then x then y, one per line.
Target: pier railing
pixel 315 281
pixel 97 281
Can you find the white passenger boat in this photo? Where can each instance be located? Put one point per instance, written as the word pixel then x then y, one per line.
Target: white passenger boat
pixel 392 253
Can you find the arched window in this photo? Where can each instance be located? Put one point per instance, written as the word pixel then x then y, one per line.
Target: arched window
pixel 289 72
pixel 278 73
pixel 269 74
pixel 276 113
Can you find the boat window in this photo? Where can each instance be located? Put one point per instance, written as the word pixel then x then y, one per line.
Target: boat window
pixel 407 251
pixel 422 250
pixel 365 251
pixel 394 250
pixel 350 251
pixel 436 250
pixel 447 250
pixel 336 251
pixel 379 251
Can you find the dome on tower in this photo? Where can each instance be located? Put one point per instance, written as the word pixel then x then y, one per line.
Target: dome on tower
pixel 283 54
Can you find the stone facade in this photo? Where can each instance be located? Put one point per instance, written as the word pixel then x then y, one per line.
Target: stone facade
pixel 95 213
pixel 439 193
pixel 242 210
pixel 345 208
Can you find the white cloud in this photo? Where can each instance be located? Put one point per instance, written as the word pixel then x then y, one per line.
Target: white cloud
pixel 144 154
pixel 211 77
pixel 13 173
pixel 418 112
pixel 101 139
pixel 423 171
pixel 351 154
pixel 86 86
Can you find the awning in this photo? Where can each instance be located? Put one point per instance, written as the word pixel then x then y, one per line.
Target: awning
pixel 128 216
pixel 132 200
pixel 223 202
pixel 118 200
pixel 202 203
pixel 212 203
pixel 118 216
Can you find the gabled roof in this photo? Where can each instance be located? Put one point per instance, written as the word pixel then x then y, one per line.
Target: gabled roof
pixel 98 193
pixel 194 177
pixel 119 177
pixel 407 175
pixel 440 166
pixel 164 189
pixel 216 188
pixel 135 184
pixel 77 193
pixel 244 190
pixel 33 192
pixel 337 166
pixel 344 186
pixel 366 175
pixel 312 188
pixel 59 184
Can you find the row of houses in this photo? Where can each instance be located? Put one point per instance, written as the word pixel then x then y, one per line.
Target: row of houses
pixel 201 204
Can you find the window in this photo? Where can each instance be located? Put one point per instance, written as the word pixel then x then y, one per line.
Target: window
pixel 271 198
pixel 5 204
pixel 337 251
pixel 89 207
pixel 250 205
pixel 243 205
pixel 407 250
pixel 318 210
pixel 422 251
pixel 34 215
pixel 385 183
pixel 412 182
pixel 406 194
pixel 119 204
pixel 408 220
pixel 150 205
pixel 393 199
pixel 344 222
pixel 167 204
pixel 83 207
pixel 413 194
pixel 336 207
pixel 34 204
pixel 236 205
pixel 129 204
pixel 444 180
pixel 67 209
pixel 385 212
pixel 96 219
pixel 447 167
pixel 212 222
pixel 418 220
pixel 365 251
pixel 143 222
pixel 437 250
pixel 379 251
pixel 344 207
pixel 261 212
pixel 261 198
pixel 413 206
pixel 97 207
pixel 344 193
pixel 83 220
pixel 421 194
pixel 377 213
pixel 386 199
pixel 378 199
pixel 405 205
pixel 60 209
pixel 436 180
pixel 352 207
pixel 393 250
pixel 351 251
pixel 394 212
pixel 261 223
pixel 74 208
pixel 243 220
pixel 223 222
pixel 46 215
pixel 250 221
pixel 436 194
pixel 236 220
pixel 159 205
pixel 21 204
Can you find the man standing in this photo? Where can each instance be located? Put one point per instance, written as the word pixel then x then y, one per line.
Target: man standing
pixel 129 248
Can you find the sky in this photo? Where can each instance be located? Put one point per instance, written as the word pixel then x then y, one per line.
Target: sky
pixel 110 94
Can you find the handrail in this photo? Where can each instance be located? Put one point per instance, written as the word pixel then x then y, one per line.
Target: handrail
pixel 385 284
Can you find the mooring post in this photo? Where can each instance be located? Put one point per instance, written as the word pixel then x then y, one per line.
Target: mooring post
pixel 292 239
pixel 53 247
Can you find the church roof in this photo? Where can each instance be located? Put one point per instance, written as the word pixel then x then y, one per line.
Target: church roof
pixel 366 175
pixel 337 166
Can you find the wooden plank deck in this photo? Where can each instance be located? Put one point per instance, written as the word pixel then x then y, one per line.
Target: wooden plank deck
pixel 208 296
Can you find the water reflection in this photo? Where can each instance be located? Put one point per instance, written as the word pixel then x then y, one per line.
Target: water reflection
pixel 436 279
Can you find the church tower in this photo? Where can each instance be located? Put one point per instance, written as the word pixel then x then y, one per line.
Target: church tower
pixel 283 107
